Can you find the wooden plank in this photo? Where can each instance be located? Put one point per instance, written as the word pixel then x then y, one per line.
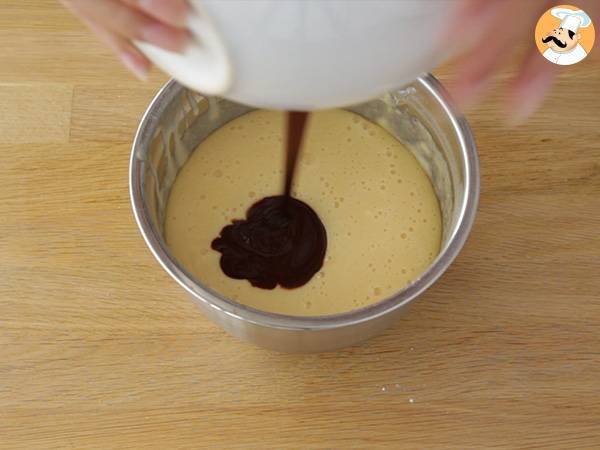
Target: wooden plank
pixel 100 349
pixel 38 113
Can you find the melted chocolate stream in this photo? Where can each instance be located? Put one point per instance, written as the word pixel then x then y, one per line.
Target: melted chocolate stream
pixel 296 121
pixel 282 240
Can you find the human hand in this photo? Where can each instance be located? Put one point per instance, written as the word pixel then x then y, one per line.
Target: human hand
pixel 119 22
pixel 487 31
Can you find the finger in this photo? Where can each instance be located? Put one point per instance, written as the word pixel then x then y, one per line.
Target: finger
pixel 478 14
pixel 171 12
pixel 134 60
pixel 130 23
pixel 495 49
pixel 528 88
pixel 129 55
pixel 477 63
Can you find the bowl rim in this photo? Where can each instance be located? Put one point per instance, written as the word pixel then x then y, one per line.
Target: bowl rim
pixel 238 311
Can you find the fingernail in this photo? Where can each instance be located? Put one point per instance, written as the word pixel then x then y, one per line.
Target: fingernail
pixel 527 98
pixel 519 111
pixel 132 63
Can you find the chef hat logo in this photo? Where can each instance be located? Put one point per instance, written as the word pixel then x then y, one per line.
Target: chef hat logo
pixel 570 19
pixel 565 35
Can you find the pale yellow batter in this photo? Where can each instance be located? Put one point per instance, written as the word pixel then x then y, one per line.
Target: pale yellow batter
pixel 376 202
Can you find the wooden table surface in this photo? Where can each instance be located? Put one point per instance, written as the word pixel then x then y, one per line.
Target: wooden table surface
pixel 99 349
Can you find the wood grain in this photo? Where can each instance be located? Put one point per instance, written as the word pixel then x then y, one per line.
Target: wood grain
pixel 99 349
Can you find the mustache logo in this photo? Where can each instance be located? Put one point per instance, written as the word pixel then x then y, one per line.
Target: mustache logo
pixel 555 40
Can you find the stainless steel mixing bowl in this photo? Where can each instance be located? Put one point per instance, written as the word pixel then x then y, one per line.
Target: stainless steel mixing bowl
pixel 421 116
